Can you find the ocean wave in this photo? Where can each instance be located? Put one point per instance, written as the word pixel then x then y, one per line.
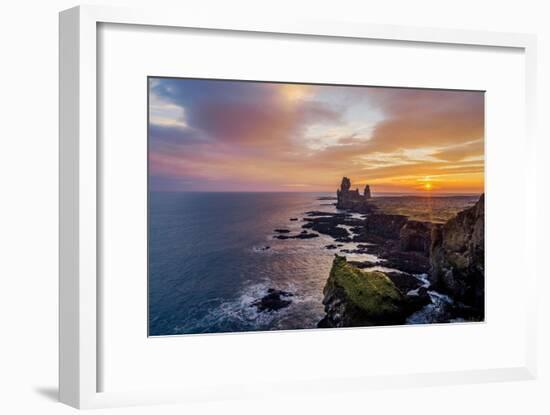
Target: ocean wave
pixel 241 315
pixel 262 249
pixel 435 312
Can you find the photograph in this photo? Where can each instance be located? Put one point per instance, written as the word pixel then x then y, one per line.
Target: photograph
pixel 284 206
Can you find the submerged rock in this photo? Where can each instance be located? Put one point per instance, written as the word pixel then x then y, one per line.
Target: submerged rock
pixel 332 224
pixel 282 231
pixel 327 227
pixel 457 257
pixel 274 300
pixel 328 214
pixel 302 235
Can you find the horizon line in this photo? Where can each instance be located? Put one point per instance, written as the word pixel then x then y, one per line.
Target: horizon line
pixel 426 193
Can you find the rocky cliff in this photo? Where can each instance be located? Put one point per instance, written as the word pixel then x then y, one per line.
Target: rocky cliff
pixel 416 236
pixel 384 225
pixel 356 298
pixel 457 257
pixel 353 297
pixel 429 258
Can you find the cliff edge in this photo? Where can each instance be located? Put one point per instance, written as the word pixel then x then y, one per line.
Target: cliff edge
pixel 457 257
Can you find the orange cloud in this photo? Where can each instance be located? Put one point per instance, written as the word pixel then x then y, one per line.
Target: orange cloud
pixel 261 136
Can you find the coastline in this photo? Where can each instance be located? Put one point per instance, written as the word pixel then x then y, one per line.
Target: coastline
pixel 234 237
pixel 422 265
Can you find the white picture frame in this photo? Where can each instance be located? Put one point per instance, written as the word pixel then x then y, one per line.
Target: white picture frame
pixel 78 343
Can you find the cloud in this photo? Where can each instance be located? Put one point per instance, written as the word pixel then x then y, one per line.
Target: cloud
pixel 209 134
pixel 469 150
pixel 417 118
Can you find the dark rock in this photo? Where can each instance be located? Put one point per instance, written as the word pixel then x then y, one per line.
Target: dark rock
pixel 274 300
pixel 388 250
pixel 330 214
pixel 330 224
pixel 457 257
pixel 280 292
pixel 385 226
pixel 345 239
pixel 410 262
pixel 363 264
pixel 327 225
pixel 293 219
pixel 360 223
pixel 355 251
pixel 302 235
pixel 405 282
pixel 282 231
pixel 416 236
pixel 415 302
pixel 305 235
pixel 331 246
pixel 325 323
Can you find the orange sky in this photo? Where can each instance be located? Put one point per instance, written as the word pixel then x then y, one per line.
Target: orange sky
pixel 246 136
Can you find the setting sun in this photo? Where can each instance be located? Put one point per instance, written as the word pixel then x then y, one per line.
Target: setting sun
pixel 428 186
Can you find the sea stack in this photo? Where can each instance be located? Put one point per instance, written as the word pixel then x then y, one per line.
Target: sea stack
pixel 352 199
pixel 367 192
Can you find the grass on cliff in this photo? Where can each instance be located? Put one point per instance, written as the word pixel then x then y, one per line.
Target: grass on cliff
pixel 373 292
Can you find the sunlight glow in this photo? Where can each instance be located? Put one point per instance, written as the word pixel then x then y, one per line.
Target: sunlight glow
pixel 230 136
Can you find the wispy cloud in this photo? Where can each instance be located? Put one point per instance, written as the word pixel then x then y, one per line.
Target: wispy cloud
pixel 231 135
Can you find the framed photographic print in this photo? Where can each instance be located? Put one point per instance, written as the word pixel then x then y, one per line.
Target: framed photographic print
pixel 276 190
pixel 245 233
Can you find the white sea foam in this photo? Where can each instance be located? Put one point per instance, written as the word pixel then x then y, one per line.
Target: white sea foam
pixel 432 312
pixel 382 269
pixel 242 313
pixel 263 249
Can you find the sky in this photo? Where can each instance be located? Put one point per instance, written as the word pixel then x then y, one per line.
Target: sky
pixel 217 135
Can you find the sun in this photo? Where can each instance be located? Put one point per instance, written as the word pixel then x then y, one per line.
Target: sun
pixel 427 186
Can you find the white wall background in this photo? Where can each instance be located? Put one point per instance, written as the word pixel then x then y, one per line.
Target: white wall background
pixel 28 207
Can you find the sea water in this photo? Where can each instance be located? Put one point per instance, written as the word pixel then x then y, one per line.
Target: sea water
pixel 211 255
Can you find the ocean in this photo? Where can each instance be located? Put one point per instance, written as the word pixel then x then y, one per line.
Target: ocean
pixel 211 255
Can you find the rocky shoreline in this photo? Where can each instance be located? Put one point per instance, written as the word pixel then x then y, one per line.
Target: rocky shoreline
pixel 417 263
